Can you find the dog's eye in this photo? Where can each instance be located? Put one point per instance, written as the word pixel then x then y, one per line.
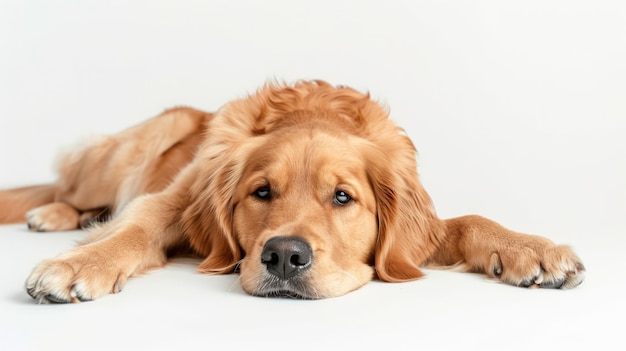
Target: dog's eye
pixel 342 198
pixel 262 193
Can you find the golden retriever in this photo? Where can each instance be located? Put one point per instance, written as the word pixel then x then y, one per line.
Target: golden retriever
pixel 307 190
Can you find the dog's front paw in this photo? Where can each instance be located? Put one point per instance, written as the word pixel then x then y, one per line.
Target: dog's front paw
pixel 56 216
pixel 74 277
pixel 544 266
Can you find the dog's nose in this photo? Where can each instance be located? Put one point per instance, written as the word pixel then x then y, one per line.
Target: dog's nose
pixel 286 257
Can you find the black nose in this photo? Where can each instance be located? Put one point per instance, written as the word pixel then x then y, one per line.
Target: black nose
pixel 286 257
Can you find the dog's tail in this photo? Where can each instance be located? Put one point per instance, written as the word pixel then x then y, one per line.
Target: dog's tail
pixel 14 203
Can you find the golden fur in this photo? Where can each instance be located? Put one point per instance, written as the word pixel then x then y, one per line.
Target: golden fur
pixel 308 190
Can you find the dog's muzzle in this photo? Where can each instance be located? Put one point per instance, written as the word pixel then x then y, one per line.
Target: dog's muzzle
pixel 286 260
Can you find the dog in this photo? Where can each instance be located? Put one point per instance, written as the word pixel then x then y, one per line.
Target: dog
pixel 307 190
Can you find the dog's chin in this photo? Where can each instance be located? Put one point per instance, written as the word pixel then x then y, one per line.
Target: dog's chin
pixel 293 288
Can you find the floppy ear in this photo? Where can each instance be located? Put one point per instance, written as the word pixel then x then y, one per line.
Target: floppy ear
pixel 409 229
pixel 219 164
pixel 207 220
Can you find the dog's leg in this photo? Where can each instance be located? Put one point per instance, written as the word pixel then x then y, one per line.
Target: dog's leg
pixel 14 203
pixel 518 259
pixel 130 244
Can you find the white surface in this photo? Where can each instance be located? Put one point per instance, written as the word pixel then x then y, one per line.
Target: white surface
pixel 517 109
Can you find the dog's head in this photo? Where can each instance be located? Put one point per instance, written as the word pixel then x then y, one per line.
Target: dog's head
pixel 311 191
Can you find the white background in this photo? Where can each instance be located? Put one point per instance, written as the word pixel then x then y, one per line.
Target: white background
pixel 518 110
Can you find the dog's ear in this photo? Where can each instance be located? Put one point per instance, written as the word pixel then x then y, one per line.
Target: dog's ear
pixel 207 220
pixel 409 229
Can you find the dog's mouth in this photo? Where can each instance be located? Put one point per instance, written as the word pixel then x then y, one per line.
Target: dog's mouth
pixel 288 294
pixel 294 288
